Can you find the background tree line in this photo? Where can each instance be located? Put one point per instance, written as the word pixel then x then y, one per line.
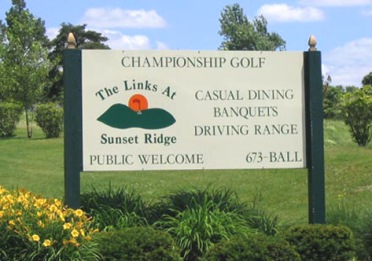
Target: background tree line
pixel 31 64
pixel 352 105
pixel 31 70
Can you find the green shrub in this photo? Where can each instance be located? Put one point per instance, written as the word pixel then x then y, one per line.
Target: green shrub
pixel 49 117
pixel 172 204
pixel 199 218
pixel 367 235
pixel 253 247
pixel 10 113
pixel 114 208
pixel 199 227
pixel 221 199
pixel 359 223
pixel 137 244
pixel 117 198
pixel 332 98
pixel 257 218
pixel 357 110
pixel 112 219
pixel 322 242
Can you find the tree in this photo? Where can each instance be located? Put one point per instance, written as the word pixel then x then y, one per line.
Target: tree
pixel 357 110
pixel 240 34
pixel 85 39
pixel 350 89
pixel 367 80
pixel 332 99
pixel 2 51
pixel 25 61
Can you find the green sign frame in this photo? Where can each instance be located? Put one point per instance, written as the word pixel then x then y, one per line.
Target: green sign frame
pixel 73 155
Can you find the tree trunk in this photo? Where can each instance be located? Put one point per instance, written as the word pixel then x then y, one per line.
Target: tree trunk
pixel 28 125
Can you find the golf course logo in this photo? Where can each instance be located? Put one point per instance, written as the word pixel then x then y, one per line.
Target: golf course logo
pixel 136 115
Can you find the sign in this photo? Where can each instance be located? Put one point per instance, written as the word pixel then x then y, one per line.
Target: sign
pixel 162 110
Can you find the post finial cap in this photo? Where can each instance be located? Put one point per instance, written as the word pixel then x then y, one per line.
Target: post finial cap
pixel 312 43
pixel 71 42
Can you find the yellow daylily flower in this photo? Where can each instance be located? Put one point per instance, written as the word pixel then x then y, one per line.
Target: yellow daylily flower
pixel 47 243
pixel 35 238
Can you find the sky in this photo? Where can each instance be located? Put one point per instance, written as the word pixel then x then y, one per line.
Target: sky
pixel 343 28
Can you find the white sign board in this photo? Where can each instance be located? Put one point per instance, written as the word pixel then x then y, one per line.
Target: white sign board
pixel 163 110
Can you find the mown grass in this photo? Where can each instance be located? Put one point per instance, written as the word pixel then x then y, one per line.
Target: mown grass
pixel 37 165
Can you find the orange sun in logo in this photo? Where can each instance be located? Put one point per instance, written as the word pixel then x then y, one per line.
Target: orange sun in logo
pixel 138 102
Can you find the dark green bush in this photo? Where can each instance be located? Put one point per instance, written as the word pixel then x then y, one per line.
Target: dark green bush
pixel 10 113
pixel 253 247
pixel 137 244
pixel 49 117
pixel 322 242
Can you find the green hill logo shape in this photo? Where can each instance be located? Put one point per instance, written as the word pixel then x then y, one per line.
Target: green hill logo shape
pixel 136 115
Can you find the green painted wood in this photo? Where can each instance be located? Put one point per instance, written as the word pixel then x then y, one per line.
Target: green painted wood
pixel 72 79
pixel 315 136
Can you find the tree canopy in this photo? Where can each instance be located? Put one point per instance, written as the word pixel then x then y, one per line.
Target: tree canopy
pixel 357 109
pixel 2 72
pixel 24 57
pixel 85 39
pixel 241 34
pixel 367 80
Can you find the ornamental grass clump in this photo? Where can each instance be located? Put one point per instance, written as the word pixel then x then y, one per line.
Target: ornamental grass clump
pixel 35 228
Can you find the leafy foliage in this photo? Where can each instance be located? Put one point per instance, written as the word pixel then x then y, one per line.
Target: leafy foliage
pixel 114 208
pixel 85 39
pixel 200 218
pixel 173 203
pixel 220 199
pixel 49 117
pixel 10 114
pixel 367 234
pixel 3 78
pixel 332 101
pixel 25 62
pixel 367 79
pixel 322 242
pixel 253 247
pixel 197 228
pixel 359 222
pixel 357 110
pixel 137 244
pixel 241 34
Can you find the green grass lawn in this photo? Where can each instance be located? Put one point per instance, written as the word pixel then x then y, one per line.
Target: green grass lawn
pixel 37 165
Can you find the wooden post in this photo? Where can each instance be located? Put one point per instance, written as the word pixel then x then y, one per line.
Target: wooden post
pixel 315 133
pixel 72 81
